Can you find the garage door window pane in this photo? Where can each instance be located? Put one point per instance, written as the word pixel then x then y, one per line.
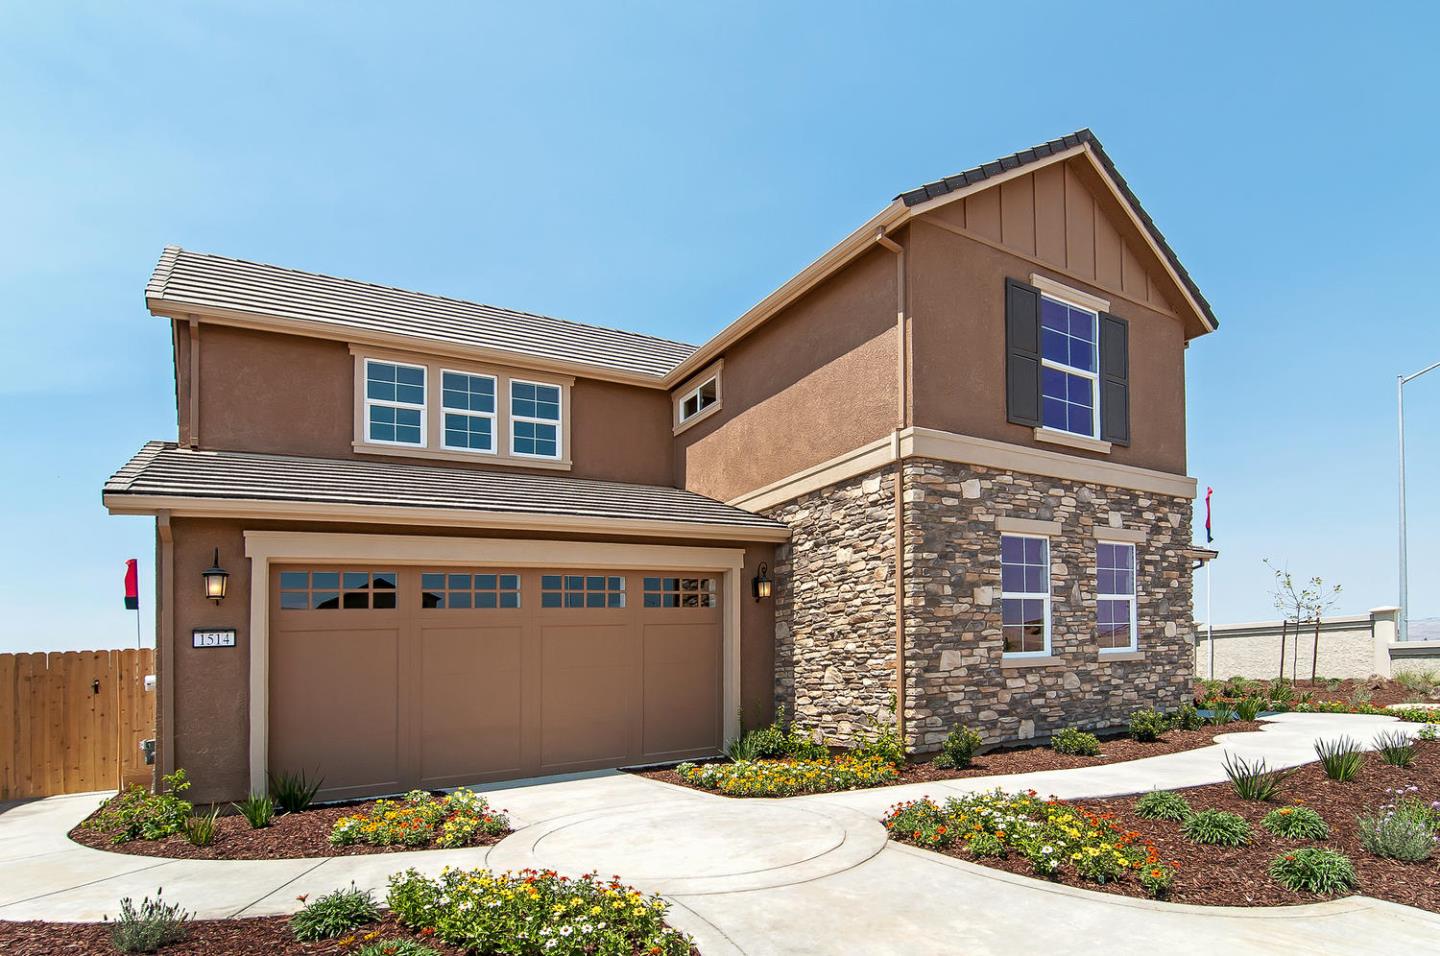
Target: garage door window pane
pixel 680 592
pixel 469 590
pixel 582 591
pixel 336 590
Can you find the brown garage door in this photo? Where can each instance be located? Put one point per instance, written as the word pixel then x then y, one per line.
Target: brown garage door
pixel 387 678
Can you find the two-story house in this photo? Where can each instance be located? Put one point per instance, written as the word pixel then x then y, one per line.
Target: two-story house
pixel 944 463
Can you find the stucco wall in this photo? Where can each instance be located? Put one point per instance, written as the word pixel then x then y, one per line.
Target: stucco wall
pixel 1347 649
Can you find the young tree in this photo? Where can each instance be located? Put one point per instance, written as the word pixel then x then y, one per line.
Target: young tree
pixel 1297 602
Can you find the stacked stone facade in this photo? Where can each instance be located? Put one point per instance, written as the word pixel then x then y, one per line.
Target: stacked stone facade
pixel 835 630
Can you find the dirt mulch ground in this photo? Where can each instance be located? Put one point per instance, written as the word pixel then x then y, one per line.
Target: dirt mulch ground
pixel 304 834
pixel 1236 876
pixel 264 936
pixel 1030 759
pixel 1377 691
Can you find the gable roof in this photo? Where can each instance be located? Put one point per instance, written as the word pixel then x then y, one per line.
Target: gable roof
pixel 1024 157
pixel 203 281
pixel 164 475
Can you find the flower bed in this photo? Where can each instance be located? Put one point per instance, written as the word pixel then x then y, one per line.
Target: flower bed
pixel 313 832
pixel 534 912
pixel 422 819
pixel 788 778
pixel 1259 871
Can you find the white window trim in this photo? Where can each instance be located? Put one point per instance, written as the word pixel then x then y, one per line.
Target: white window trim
pixel 714 373
pixel 372 402
pixel 1094 376
pixel 494 416
pixel 1134 644
pixel 1028 595
pixel 558 421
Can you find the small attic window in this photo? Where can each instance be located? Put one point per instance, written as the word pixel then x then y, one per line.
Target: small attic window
pixel 699 398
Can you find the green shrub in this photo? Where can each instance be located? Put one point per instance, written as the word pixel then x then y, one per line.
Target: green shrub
pixel 1417 681
pixel 1313 870
pixel 137 814
pixel 1281 691
pixel 395 947
pixel 1148 726
pixel 1216 828
pixel 788 778
pixel 1158 879
pixel 1254 781
pixel 200 830
pixel 777 741
pixel 1296 823
pixel 1429 732
pixel 1221 711
pixel 1162 805
pixel 1340 758
pixel 882 740
pixel 293 792
pixel 1403 829
pixel 1239 686
pixel 1395 748
pixel 146 928
pixel 421 819
pixel 484 912
pixel 1186 717
pixel 959 748
pixel 334 914
pixel 1075 741
pixel 1249 707
pixel 257 809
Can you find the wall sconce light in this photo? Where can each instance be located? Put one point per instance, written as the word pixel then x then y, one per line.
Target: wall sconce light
pixel 762 582
pixel 216 578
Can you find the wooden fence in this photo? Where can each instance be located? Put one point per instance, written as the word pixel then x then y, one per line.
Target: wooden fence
pixel 72 722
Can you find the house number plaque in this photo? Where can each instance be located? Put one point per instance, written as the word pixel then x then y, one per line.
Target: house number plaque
pixel 223 637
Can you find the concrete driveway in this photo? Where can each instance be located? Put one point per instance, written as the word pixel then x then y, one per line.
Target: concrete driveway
pixel 803 875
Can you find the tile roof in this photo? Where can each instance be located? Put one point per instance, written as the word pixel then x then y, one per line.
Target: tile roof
pixel 162 469
pixel 981 173
pixel 202 280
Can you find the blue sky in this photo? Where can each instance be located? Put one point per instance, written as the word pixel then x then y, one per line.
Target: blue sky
pixel 662 166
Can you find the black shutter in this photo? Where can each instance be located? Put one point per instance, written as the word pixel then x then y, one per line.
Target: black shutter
pixel 1022 353
pixel 1114 379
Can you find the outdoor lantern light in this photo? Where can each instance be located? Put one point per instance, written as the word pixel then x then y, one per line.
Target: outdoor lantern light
pixel 215 578
pixel 762 582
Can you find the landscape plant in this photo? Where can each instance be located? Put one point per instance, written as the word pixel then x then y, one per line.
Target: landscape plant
pixel 1163 805
pixel 1341 759
pixel 1221 711
pixel 293 791
pixel 138 814
pixel 534 912
pixel 1296 823
pixel 200 829
pixel 1403 828
pixel 334 914
pixel 1314 870
pixel 959 748
pixel 1395 748
pixel 788 778
pixel 1216 828
pixel 420 819
pixel 779 740
pixel 1186 717
pixel 881 739
pixel 1074 741
pixel 395 947
pixel 1254 780
pixel 1248 708
pixel 1301 603
pixel 257 809
pixel 1148 726
pixel 149 926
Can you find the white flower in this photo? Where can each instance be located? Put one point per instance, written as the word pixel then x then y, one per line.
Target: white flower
pixel 566 931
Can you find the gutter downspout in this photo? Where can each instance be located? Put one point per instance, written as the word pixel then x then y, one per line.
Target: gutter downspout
pixel 165 645
pixel 902 420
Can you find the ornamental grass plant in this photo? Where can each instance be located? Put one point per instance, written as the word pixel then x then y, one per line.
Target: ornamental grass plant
pixel 1255 780
pixel 1341 759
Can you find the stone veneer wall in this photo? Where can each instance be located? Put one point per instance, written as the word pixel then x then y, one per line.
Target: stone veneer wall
pixel 952 556
pixel 834 599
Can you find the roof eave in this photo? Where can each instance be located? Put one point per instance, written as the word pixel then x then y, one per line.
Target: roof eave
pixel 130 503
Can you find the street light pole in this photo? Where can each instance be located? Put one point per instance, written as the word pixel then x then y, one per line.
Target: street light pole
pixel 1400 383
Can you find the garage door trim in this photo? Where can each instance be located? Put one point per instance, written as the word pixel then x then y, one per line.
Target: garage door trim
pixel 265 548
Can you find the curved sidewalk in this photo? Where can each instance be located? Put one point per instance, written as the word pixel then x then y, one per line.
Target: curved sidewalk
pixel 801 875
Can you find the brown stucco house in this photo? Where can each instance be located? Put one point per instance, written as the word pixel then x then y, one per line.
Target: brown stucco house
pixel 945 462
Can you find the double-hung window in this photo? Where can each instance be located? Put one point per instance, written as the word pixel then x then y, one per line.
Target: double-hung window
pixel 1115 605
pixel 394 403
pixel 1069 373
pixel 468 403
pixel 1025 594
pixel 534 419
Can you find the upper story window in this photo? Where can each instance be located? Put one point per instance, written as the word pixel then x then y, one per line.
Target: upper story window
pixel 420 407
pixel 394 403
pixel 1069 374
pixel 1115 607
pixel 469 405
pixel 698 398
pixel 1025 594
pixel 534 419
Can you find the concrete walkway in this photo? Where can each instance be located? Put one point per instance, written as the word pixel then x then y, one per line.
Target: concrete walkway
pixel 803 875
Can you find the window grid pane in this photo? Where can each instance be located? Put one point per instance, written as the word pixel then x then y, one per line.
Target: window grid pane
pixel 1070 365
pixel 581 591
pixel 1115 604
pixel 336 590
pixel 394 403
pixel 480 590
pixel 680 592
pixel 1025 584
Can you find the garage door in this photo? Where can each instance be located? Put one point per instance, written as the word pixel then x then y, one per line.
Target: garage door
pixel 388 678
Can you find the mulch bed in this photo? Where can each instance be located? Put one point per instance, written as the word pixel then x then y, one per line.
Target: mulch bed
pixel 1378 691
pixel 291 835
pixel 1032 758
pixel 257 936
pixel 1236 876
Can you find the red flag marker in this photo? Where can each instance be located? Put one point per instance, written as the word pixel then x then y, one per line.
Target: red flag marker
pixel 132 585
